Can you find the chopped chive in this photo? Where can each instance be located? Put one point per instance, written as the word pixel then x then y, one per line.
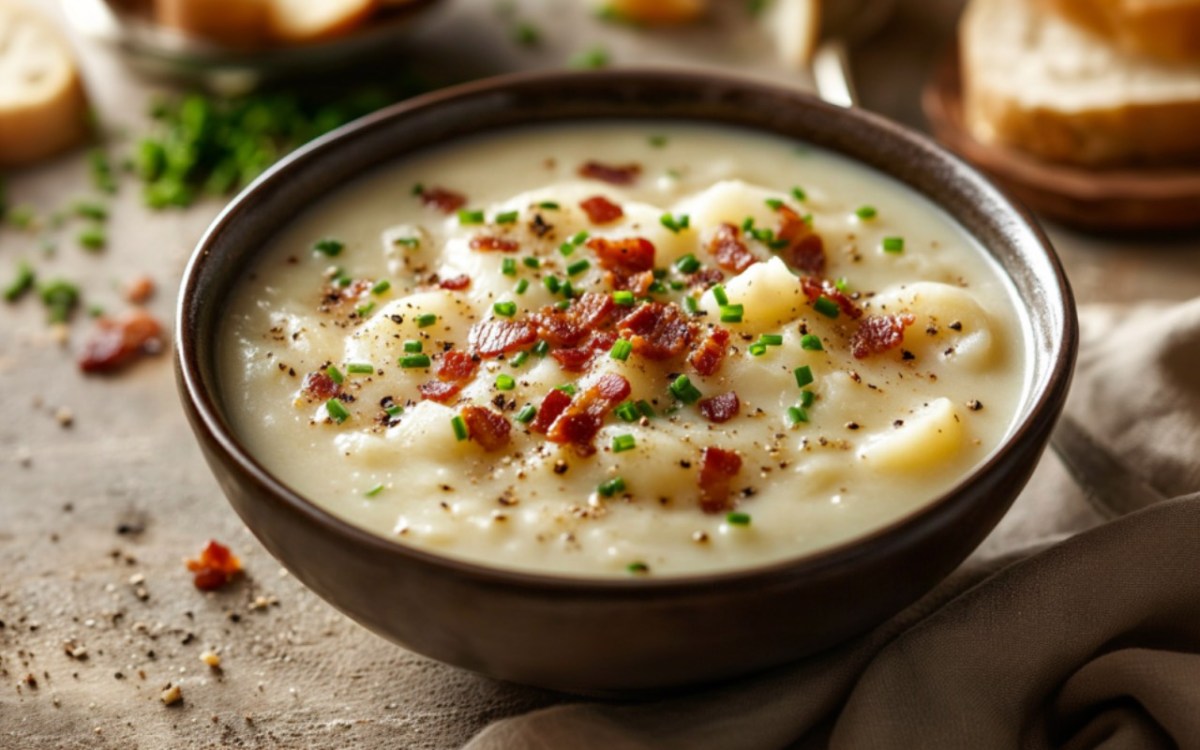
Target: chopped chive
pixel 865 212
pixel 578 267
pixel 335 374
pixel 522 285
pixel 360 368
pixel 675 223
pixel 336 411
pixel 393 410
pixel 541 348
pixel 551 283
pixel 426 320
pixel 808 219
pixel 799 194
pixel 771 339
pixel 414 360
pixel 407 241
pixel 842 284
pixel 893 244
pixel 468 216
pixel 592 59
pixel 658 141
pixel 566 249
pixel 757 349
pixel 364 310
pixel 93 238
pixel 413 346
pixel 719 295
pixel 627 412
pixel 826 307
pixel 343 279
pixel 527 413
pixel 807 398
pixel 548 205
pixel 682 389
pixel 579 238
pixel 676 285
pixel 623 297
pixel 93 211
pixel 568 291
pixel 621 349
pixel 622 443
pixel 506 308
pixel 329 247
pixel 646 409
pixel 687 264
pixel 691 305
pixel 656 287
pixel 508 267
pixel 60 298
pixel 518 359
pixel 774 204
pixel 737 519
pixel 566 388
pixel 612 487
pixel 508 217
pixel 418 189
pixel 460 428
pixel 803 375
pixel 505 382
pixel 795 415
pixel 732 313
pixel 638 568
pixel 381 286
pixel 527 35
pixel 562 304
pixel 747 223
pixel 374 490
pixel 21 284
pixel 95 311
pixel 811 342
pixel 531 262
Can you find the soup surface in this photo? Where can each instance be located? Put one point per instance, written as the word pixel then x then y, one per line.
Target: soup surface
pixel 643 349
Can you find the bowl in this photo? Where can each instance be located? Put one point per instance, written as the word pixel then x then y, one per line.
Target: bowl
pixel 622 636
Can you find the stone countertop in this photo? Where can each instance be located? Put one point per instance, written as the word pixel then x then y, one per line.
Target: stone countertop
pixel 104 489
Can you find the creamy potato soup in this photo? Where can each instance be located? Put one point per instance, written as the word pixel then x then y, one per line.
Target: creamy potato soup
pixel 644 349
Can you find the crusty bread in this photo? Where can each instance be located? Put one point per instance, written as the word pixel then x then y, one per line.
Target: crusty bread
pixel 1163 29
pixel 302 21
pixel 43 108
pixel 240 24
pixel 1034 82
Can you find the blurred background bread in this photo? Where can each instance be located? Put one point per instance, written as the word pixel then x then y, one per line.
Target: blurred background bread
pixel 252 24
pixel 1162 29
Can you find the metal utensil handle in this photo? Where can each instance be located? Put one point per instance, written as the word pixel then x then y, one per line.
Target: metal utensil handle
pixel 831 72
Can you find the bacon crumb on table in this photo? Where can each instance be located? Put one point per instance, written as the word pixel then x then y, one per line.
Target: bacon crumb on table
pixel 117 343
pixel 215 567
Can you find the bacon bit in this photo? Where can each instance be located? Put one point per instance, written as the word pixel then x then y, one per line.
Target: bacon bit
pixel 140 290
pixel 878 333
pixel 814 288
pixel 446 201
pixel 629 262
pixel 215 567
pixel 318 386
pixel 720 408
pixel 601 210
pixel 657 331
pixel 578 424
pixel 707 357
pixel 456 283
pixel 706 277
pixel 566 328
pixel 805 251
pixel 117 343
pixel 488 428
pixel 573 360
pixel 489 244
pixel 456 366
pixel 554 404
pixel 623 174
pixel 339 296
pixel 440 391
pixel 492 337
pixel 729 250
pixel 717 469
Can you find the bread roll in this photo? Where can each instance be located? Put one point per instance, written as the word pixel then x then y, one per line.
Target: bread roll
pixel 240 24
pixel 1162 29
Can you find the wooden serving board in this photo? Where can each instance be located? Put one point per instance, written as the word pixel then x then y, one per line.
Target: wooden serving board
pixel 1097 200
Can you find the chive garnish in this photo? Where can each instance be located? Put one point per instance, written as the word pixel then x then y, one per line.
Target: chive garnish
pixel 468 216
pixel 518 359
pixel 687 264
pixel 364 310
pixel 21 284
pixel 562 304
pixel 682 389
pixel 527 35
pixel 548 205
pixel 596 57
pixel 646 409
pixel 541 348
pixel 413 346
pixel 374 490
pixel 407 241
pixel 795 415
pixel 799 194
pixel 893 244
pixel 621 349
pixel 508 267
pixel 337 412
pixel 414 360
pixel 579 238
pixel 393 410
pixel 360 368
pixel 865 212
pixel 508 217
pixel 803 375
pixel 675 223
pixel 566 249
pixel 811 342
pixel 691 305
pixel 551 283
pixel 329 247
pixel 623 297
pixel 505 382
pixel 842 284
pixel 460 428
pixel 747 223
pixel 774 204
pixel 826 307
pixel 578 267
pixel 531 262
pixel 757 349
pixel 622 443
pixel 658 141
pixel 719 295
pixel 566 388
pixel 506 308
pixel 381 286
pixel 612 487
pixel 738 519
pixel 638 568
pixel 522 285
pixel 627 412
pixel 527 413
pixel 568 291
pixel 807 398
pixel 93 238
pixel 335 374
pixel 425 320
pixel 771 339
pixel 93 211
pixel 732 313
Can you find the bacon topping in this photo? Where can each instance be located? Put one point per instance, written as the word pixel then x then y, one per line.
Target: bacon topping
pixel 117 343
pixel 489 244
pixel 717 469
pixel 553 404
pixel 456 283
pixel 577 358
pixel 706 277
pixel 488 428
pixel 878 333
pixel 456 366
pixel 493 337
pixel 720 408
pixel 707 357
pixel 601 210
pixel 805 251
pixel 319 386
pixel 440 390
pixel 215 567
pixel 657 331
pixel 729 250
pixel 629 262
pixel 623 174
pixel 566 328
pixel 816 288
pixel 446 201
pixel 578 424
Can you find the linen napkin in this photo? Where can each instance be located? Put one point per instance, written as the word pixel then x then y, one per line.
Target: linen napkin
pixel 1090 642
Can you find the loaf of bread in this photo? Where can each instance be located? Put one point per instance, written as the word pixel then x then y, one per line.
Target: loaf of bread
pixel 1035 82
pixel 1162 29
pixel 43 108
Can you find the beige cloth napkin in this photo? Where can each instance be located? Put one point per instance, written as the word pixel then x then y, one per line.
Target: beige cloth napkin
pixel 1090 642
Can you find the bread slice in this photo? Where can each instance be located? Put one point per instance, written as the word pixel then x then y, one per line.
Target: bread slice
pixel 240 24
pixel 1163 29
pixel 303 21
pixel 43 108
pixel 1035 82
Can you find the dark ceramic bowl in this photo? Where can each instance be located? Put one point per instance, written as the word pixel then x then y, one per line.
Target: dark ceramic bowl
pixel 621 636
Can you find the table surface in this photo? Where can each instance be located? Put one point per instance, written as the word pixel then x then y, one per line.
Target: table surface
pixel 96 515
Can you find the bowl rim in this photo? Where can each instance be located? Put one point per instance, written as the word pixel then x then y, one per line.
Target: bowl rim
pixel 1042 404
